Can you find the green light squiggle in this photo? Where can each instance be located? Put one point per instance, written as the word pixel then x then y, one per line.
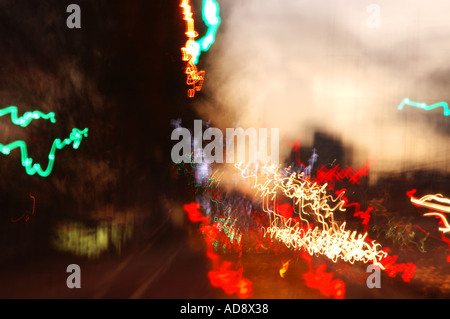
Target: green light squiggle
pixel 424 106
pixel 27 116
pixel 75 138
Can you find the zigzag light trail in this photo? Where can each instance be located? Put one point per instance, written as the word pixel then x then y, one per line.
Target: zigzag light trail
pixel 424 106
pixel 27 117
pixel 313 230
pixel 427 202
pixel 74 138
pixel 329 238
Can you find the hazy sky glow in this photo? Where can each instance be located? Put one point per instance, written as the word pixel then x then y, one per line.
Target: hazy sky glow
pixel 307 66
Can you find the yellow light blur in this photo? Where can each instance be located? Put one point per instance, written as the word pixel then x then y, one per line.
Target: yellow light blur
pixel 284 268
pixel 327 238
pixel 425 201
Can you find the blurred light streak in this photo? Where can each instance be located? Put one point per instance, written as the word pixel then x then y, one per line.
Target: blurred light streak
pixel 210 13
pixel 75 138
pixel 228 226
pixel 27 213
pixel 425 201
pixel 327 238
pixel 324 282
pixel 81 240
pixel 27 117
pixel 190 51
pixel 225 276
pixel 392 268
pixel 424 106
pixel 364 215
pixel 194 213
pixel 284 268
pixel 312 229
pixel 402 234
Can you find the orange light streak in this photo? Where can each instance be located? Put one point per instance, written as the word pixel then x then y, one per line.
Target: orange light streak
pixel 284 268
pixel 194 77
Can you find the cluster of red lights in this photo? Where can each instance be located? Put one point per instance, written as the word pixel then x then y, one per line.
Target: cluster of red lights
pixel 225 274
pixel 229 275
pixel 336 173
